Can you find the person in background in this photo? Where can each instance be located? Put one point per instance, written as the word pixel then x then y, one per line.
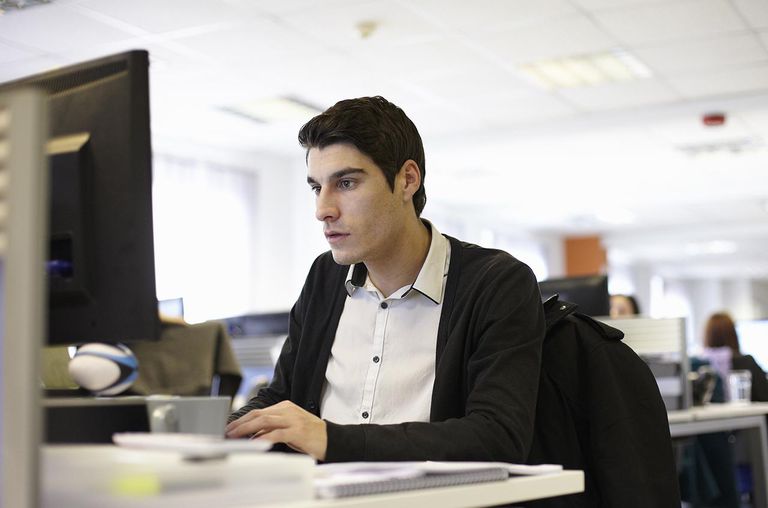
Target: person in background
pixel 624 306
pixel 721 343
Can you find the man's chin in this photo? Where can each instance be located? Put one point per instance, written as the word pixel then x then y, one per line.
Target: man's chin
pixel 343 258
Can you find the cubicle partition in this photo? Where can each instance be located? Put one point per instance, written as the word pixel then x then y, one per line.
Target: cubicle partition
pixel 661 343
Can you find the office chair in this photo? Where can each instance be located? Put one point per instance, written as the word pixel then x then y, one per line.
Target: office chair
pixel 599 410
pixel 187 360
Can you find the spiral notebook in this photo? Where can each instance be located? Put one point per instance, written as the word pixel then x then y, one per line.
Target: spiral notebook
pixel 364 478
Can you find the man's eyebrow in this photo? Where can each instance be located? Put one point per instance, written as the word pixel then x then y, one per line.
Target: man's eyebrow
pixel 339 174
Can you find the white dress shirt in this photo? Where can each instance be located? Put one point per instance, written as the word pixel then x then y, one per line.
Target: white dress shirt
pixel 382 364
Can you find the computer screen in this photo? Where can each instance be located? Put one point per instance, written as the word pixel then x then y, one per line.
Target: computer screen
pixel 590 293
pixel 753 339
pixel 101 262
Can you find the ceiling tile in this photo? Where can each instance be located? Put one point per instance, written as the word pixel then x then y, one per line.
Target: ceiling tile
pixel 610 4
pixel 56 28
pixel 558 38
pixel 10 53
pixel 726 82
pixel 283 7
pixel 166 15
pixel 691 130
pixel 755 12
pixel 671 20
pixel 28 67
pixel 757 120
pixel 515 106
pixel 484 16
pixel 620 95
pixel 697 54
pixel 421 59
pixel 337 24
pixel 468 81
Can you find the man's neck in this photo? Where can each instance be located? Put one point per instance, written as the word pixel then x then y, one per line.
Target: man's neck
pixel 404 263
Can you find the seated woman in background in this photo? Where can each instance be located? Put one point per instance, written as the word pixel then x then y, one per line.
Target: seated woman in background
pixel 722 349
pixel 624 306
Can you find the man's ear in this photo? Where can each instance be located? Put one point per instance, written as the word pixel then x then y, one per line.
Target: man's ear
pixel 410 179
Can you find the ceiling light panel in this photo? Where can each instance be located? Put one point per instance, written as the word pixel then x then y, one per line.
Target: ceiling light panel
pixel 277 109
pixel 586 70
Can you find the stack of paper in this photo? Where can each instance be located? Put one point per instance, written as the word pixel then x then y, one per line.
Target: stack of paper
pixel 363 478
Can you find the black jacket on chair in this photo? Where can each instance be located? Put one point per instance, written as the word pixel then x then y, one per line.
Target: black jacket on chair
pixel 599 410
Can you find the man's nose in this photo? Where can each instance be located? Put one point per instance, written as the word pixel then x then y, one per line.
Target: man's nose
pixel 325 207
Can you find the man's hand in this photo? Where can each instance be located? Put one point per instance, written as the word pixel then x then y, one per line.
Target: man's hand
pixel 284 422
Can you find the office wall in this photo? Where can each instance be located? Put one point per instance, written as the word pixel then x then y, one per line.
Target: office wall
pixel 284 238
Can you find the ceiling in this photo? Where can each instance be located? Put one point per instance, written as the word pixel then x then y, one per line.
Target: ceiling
pixel 630 160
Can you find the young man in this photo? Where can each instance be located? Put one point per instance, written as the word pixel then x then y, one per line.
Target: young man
pixel 404 344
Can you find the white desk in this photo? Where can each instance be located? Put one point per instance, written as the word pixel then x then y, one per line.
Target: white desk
pixel 514 490
pixel 748 419
pixel 105 476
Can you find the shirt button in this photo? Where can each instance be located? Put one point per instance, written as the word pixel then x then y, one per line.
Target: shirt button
pixel 365 414
pixel 375 359
pixel 384 305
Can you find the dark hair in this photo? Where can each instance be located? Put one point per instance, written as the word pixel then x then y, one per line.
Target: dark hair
pixel 377 128
pixel 632 302
pixel 721 332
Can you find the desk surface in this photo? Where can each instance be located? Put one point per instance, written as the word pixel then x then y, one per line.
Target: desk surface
pixel 717 411
pixel 98 476
pixel 514 490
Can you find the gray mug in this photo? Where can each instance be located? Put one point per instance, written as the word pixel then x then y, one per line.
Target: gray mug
pixel 190 415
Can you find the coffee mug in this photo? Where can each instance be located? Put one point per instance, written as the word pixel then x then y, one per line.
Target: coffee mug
pixel 191 415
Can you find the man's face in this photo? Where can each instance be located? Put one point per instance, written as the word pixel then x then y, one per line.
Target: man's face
pixel 362 217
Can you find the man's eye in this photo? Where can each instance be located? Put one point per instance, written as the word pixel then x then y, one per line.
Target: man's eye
pixel 346 184
pixel 315 189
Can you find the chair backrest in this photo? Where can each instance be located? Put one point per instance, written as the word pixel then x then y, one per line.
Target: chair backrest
pixel 599 409
pixel 187 360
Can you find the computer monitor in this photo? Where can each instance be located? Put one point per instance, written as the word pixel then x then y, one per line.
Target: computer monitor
pixel 101 263
pixel 590 293
pixel 753 339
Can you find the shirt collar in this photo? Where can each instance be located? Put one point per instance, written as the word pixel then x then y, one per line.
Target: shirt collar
pixel 429 282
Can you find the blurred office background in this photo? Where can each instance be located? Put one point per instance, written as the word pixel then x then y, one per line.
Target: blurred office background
pixel 638 127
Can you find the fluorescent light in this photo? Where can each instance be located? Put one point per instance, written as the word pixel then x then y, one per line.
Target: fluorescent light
pixel 711 248
pixel 585 70
pixel 276 109
pixel 616 216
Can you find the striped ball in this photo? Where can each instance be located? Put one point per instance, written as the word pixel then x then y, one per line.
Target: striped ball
pixel 104 369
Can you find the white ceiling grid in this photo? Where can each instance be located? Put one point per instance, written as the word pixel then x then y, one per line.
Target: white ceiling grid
pixel 453 66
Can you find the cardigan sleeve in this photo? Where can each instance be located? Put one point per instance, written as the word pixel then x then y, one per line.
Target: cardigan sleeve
pixel 486 381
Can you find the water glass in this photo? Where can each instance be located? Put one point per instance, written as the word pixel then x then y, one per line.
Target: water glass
pixel 740 386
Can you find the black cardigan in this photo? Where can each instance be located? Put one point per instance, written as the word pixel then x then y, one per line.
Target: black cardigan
pixel 486 373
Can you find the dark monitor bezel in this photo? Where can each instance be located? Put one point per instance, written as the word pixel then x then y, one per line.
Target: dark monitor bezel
pixel 589 292
pixel 99 112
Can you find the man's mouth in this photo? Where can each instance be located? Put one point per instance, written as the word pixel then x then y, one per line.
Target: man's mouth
pixel 335 236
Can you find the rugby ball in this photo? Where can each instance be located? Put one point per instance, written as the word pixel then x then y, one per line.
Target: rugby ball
pixel 104 369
